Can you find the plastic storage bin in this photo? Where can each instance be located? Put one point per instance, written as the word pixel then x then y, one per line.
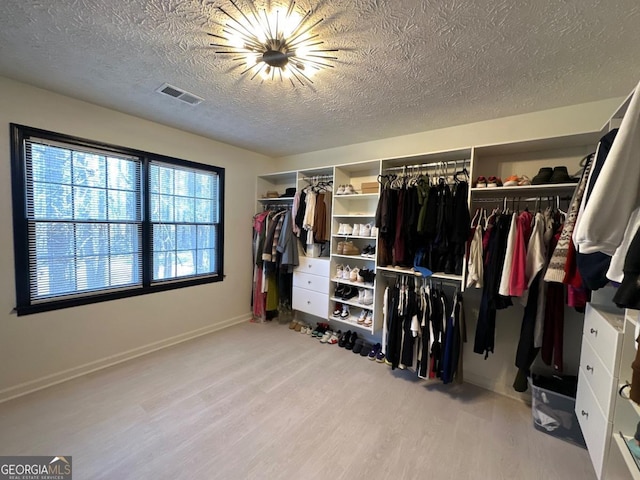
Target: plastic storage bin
pixel 552 406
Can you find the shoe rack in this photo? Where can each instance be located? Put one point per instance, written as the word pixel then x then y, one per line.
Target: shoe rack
pixel 354 209
pixel 527 158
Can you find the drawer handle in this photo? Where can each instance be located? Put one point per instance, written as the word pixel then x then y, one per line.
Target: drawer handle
pixel 308 302
pixel 585 414
pixel 309 282
pixel 594 332
pixel 589 368
pixel 309 266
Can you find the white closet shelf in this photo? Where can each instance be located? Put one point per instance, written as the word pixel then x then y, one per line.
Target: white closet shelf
pixel 410 271
pixel 352 303
pixel 353 257
pixel 335 235
pixel 353 284
pixel 352 321
pixel 356 195
pixel 279 199
pixel 548 189
pixel 354 215
pixel 626 455
pixel 631 317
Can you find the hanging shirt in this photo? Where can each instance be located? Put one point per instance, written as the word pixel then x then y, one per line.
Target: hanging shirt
pixel 508 259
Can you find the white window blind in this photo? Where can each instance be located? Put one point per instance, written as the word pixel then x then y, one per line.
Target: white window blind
pixel 185 218
pixel 84 215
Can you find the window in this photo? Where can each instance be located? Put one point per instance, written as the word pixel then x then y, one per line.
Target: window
pixel 95 222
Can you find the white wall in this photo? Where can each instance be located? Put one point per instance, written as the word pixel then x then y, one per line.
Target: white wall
pixel 585 117
pixel 39 349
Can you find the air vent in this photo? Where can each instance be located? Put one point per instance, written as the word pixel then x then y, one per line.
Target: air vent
pixel 180 94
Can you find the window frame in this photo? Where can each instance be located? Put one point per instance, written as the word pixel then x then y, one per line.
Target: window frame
pixel 24 305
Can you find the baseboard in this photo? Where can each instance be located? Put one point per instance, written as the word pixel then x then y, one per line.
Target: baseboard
pixel 69 374
pixel 493 386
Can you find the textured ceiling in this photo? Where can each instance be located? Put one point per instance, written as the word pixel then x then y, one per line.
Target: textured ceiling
pixel 404 66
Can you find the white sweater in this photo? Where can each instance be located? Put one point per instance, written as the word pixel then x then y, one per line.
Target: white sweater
pixel 616 192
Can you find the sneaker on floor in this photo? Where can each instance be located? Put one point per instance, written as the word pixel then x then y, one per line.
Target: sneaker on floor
pixel 344 338
pixel 380 357
pixel 335 337
pixel 366 349
pixel 373 353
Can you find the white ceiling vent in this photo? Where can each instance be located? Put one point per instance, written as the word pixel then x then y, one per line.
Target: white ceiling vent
pixel 180 94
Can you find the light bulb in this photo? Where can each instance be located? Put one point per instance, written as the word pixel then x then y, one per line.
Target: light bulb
pixel 301 52
pixel 251 60
pixel 237 41
pixel 286 73
pixel 290 23
pixel 265 72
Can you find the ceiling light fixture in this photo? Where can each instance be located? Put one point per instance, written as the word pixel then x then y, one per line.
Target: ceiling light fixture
pixel 273 45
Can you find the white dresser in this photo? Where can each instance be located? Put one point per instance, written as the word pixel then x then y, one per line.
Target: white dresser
pixel 311 286
pixel 598 381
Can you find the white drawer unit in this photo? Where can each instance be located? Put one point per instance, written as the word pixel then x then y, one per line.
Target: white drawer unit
pixel 311 286
pixel 595 427
pixel 603 330
pixel 310 282
pixel 314 266
pixel 598 381
pixel 310 302
pixel 602 383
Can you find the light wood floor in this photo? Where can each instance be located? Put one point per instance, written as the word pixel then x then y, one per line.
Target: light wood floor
pixel 261 401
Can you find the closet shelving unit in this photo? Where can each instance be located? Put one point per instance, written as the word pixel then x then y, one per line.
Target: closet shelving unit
pixel 274 182
pixel 358 208
pixel 626 413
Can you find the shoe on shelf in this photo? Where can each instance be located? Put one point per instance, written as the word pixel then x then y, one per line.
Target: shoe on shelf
pixel 560 175
pixel 345 312
pixel 374 231
pixel 363 315
pixel 347 229
pixel 349 190
pixel 543 177
pixel 354 275
pixel 493 182
pixel 340 190
pixel 356 229
pixel 360 278
pixel 366 349
pixel 365 230
pixel 339 290
pixel 373 353
pixel 361 296
pixel 339 269
pixel 372 251
pixel 338 310
pixel 349 293
pixel 340 229
pixel 365 251
pixel 340 248
pixel 368 319
pixel 368 297
pixel 346 272
pixel 512 181
pixel 481 182
pixel 524 181
pixel 350 249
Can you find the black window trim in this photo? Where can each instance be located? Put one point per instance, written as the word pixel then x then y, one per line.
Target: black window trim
pixel 24 306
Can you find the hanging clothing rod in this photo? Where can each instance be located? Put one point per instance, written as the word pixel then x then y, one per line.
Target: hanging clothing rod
pixel 520 199
pixel 316 178
pixel 429 165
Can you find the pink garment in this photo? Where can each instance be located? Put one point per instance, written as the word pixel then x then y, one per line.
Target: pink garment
pixel 518 278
